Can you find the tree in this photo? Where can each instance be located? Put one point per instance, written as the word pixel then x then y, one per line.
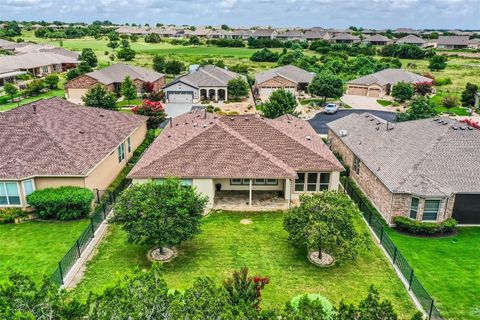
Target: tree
pixel 280 102
pixel 237 89
pixel 99 97
pixel 264 55
pixel 194 40
pixel 73 73
pixel 326 85
pixel 51 81
pixel 325 222
pixel 423 88
pixel 449 101
pixel 11 90
pixel 34 87
pixel 129 91
pixel 154 110
pixel 438 63
pixel 174 67
pixel 419 109
pixel 89 57
pixel 159 63
pixel 113 45
pixel 468 95
pixel 83 67
pixel 371 308
pixel 133 38
pixel 160 214
pixel 402 91
pixel 153 38
pixel 126 53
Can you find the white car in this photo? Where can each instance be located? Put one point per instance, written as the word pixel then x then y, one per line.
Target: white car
pixel 331 108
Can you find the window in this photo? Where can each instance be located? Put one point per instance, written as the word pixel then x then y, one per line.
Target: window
pixel 28 187
pixel 235 181
pixel 272 181
pixel 300 182
pixel 186 182
pixel 129 145
pixel 121 152
pixel 9 194
pixel 356 164
pixel 45 69
pixel 246 181
pixel 312 182
pixel 414 208
pixel 259 181
pixel 324 181
pixel 430 210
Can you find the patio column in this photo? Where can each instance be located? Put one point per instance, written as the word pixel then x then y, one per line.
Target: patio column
pixel 250 193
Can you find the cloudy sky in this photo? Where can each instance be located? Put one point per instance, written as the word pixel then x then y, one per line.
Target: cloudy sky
pixel 464 14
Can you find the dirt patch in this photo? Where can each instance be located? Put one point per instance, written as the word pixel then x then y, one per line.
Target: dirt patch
pixel 326 260
pixel 246 221
pixel 165 256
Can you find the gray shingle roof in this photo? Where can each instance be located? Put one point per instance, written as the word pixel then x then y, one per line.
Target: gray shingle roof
pixel 60 139
pixel 411 39
pixel 424 157
pixel 345 36
pixel 390 76
pixel 207 76
pixel 377 38
pixel 453 40
pixel 116 73
pixel 203 145
pixel 290 72
pixel 35 60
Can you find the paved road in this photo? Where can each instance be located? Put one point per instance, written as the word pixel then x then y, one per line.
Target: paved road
pixel 320 120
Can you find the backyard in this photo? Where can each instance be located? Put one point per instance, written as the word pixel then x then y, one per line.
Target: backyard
pixel 226 245
pixel 449 268
pixel 35 247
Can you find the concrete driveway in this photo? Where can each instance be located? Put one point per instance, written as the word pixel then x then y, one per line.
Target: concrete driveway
pixel 364 103
pixel 320 120
pixel 176 109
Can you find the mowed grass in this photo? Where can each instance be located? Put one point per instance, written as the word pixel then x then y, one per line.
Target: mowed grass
pixel 449 268
pixel 35 247
pixel 226 245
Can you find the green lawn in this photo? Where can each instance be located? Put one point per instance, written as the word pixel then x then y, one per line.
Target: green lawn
pixel 436 100
pixel 45 95
pixel 449 268
pixel 35 247
pixel 384 103
pixel 226 245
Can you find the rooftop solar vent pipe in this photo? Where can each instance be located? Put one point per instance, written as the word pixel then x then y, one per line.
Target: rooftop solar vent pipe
pixel 343 133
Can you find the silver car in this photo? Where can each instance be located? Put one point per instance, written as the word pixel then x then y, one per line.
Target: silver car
pixel 331 108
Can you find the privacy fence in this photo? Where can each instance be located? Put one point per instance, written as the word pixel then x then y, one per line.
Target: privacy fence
pixel 104 204
pixel 379 227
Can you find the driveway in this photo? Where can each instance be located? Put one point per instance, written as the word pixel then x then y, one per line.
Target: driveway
pixel 364 103
pixel 320 120
pixel 176 109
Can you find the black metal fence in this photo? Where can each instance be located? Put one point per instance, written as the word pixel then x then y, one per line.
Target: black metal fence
pixel 394 253
pixel 97 216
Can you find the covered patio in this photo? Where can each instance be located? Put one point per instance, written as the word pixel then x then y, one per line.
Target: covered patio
pixel 239 200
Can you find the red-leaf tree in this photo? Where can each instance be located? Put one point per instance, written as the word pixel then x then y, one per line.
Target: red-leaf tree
pixel 471 123
pixel 154 110
pixel 423 88
pixel 148 87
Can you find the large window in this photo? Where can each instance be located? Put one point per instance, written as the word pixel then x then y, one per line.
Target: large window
pixel 414 208
pixel 312 181
pixel 430 210
pixel 356 164
pixel 121 152
pixel 9 194
pixel 300 182
pixel 28 187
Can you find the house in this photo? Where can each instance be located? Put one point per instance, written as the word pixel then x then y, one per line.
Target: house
pixel 412 40
pixel 39 64
pixel 9 75
pixel 241 34
pixel 377 40
pixel 206 83
pixel 264 34
pixel 345 38
pixel 474 43
pixel 452 42
pixel 423 169
pixel 380 84
pixel 52 143
pixel 312 35
pixel 218 34
pixel 291 35
pixel 247 158
pixel 112 78
pixel 290 78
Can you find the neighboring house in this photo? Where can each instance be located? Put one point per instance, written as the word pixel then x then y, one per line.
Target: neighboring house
pixel 377 40
pixel 346 38
pixel 423 169
pixel 246 155
pixel 290 78
pixel 474 43
pixel 380 84
pixel 312 35
pixel 39 64
pixel 9 75
pixel 52 143
pixel 206 83
pixel 5 43
pixel 292 35
pixel 264 34
pixel 452 42
pixel 242 34
pixel 112 78
pixel 412 40
pixel 218 34
pixel 27 47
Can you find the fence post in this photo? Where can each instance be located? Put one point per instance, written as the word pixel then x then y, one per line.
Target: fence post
pixel 78 248
pixel 395 256
pixel 381 236
pixel 370 217
pixel 61 271
pixel 431 309
pixel 93 229
pixel 410 281
pixel 104 211
pixel 98 196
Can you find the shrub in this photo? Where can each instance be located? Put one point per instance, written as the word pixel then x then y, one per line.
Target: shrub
pixel 264 55
pixel 442 81
pixel 154 110
pixel 423 88
pixel 63 203
pixel 149 138
pixel 450 102
pixel 424 228
pixel 402 91
pixel 8 215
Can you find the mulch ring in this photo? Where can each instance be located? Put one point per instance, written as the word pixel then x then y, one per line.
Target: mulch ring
pixel 167 255
pixel 326 261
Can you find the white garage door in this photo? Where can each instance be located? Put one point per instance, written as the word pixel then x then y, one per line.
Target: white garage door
pixel 180 97
pixel 76 94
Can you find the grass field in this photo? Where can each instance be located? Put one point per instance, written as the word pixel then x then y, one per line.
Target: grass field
pixel 449 268
pixel 226 245
pixel 35 247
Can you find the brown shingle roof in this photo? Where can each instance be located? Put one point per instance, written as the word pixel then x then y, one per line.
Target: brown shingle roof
pixel 199 145
pixel 116 73
pixel 60 139
pixel 453 40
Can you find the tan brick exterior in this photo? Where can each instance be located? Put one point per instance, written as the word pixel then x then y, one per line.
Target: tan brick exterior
pixel 86 82
pixel 389 204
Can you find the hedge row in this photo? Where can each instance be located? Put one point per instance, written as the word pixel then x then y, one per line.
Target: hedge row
pixel 424 228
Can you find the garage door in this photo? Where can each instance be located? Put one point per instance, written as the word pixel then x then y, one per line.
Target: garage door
pixel 76 94
pixel 266 92
pixel 358 91
pixel 374 93
pixel 180 97
pixel 466 209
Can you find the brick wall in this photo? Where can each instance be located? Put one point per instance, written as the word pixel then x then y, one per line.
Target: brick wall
pixel 81 82
pixel 277 82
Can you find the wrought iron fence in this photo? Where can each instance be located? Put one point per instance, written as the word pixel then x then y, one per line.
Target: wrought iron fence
pixel 414 284
pixel 98 215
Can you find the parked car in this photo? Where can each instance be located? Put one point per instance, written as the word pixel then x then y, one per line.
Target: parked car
pixel 331 108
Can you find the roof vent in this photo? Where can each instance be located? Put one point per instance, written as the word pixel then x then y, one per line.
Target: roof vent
pixel 169 136
pixel 470 128
pixel 102 116
pixel 436 119
pixel 367 116
pixel 34 106
pixel 445 122
pixel 194 124
pixel 455 128
pixel 81 132
pixel 462 128
pixel 231 119
pixel 378 123
pixel 204 125
pixel 343 133
pixel 372 119
pixel 308 138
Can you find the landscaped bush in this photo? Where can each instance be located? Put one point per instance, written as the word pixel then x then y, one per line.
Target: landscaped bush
pixel 449 102
pixel 149 138
pixel 8 215
pixel 442 81
pixel 63 203
pixel 425 228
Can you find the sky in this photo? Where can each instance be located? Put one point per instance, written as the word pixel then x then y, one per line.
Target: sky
pixel 376 14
